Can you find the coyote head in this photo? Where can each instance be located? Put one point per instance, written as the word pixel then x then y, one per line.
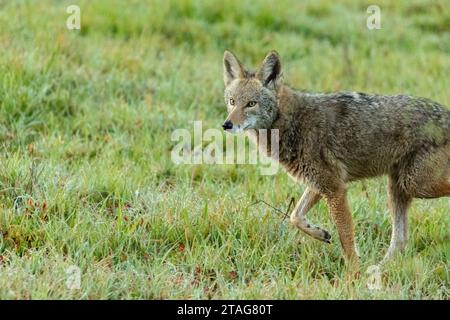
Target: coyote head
pixel 251 98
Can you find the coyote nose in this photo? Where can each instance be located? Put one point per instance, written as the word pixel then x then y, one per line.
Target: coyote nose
pixel 227 125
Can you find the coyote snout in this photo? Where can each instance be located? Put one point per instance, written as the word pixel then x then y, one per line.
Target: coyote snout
pixel 328 140
pixel 227 125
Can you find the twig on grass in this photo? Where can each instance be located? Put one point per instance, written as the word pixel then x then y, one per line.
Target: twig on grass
pixel 285 213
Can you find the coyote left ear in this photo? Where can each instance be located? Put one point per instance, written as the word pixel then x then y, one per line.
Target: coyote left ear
pixel 270 72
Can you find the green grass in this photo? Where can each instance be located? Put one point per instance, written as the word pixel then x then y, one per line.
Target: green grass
pixel 86 177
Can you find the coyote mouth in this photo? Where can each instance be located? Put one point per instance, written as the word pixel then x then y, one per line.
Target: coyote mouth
pixel 237 129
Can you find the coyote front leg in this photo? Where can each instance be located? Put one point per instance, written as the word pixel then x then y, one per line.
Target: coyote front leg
pixel 338 206
pixel 298 216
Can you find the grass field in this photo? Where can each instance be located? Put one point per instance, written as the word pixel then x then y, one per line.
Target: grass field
pixel 86 177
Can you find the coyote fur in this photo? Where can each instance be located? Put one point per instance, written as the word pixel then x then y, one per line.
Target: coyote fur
pixel 328 140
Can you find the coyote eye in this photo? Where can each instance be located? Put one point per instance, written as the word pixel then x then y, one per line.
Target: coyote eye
pixel 251 104
pixel 232 101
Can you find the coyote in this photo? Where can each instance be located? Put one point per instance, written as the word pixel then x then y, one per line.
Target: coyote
pixel 328 140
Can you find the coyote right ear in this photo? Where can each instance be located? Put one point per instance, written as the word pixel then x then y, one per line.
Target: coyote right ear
pixel 232 68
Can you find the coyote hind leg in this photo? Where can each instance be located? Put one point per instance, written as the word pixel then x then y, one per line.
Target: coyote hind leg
pixel 399 203
pixel 298 216
pixel 436 190
pixel 424 176
pixel 432 174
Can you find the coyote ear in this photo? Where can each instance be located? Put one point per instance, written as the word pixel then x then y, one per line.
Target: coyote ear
pixel 270 72
pixel 232 68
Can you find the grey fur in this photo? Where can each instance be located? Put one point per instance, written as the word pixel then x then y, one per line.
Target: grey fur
pixel 328 140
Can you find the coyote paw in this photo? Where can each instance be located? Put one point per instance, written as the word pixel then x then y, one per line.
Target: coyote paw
pixel 312 230
pixel 319 234
pixel 326 236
